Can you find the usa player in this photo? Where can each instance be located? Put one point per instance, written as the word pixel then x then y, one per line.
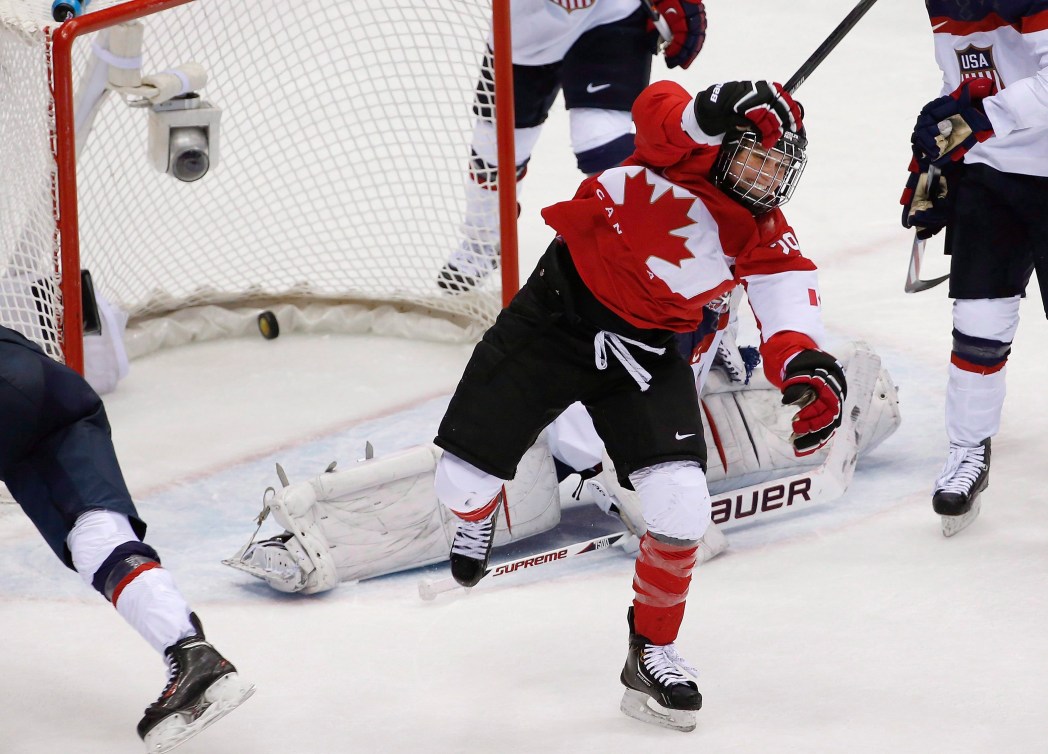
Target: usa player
pixel 988 134
pixel 599 53
pixel 58 462
pixel 640 250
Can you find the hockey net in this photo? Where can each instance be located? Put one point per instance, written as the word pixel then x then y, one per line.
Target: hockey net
pixel 343 150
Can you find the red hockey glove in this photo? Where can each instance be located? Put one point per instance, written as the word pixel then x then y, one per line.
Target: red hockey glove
pixel 924 207
pixel 748 105
pixel 687 22
pixel 815 383
pixel 949 126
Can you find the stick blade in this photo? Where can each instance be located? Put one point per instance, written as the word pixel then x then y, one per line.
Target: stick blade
pixel 916 286
pixel 914 283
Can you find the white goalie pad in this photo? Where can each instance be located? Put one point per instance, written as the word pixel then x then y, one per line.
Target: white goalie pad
pixel 382 516
pixel 748 430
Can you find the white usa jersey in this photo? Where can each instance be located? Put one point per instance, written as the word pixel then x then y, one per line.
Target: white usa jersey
pixel 1006 40
pixel 544 30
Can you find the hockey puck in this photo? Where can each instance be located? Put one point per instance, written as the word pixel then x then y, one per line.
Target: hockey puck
pixel 268 325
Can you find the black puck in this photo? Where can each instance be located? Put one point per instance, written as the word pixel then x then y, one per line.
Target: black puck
pixel 268 325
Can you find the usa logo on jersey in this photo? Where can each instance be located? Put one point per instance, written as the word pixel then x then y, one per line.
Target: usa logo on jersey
pixel 570 5
pixel 977 62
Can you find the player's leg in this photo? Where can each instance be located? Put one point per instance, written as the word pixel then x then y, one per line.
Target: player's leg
pixel 603 73
pixel 64 473
pixel 534 90
pixel 521 376
pixel 991 263
pixel 655 439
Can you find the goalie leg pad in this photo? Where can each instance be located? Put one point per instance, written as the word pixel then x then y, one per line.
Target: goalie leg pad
pixel 294 507
pixel 748 431
pixel 382 516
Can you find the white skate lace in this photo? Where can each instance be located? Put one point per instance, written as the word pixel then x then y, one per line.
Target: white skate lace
pixel 605 341
pixel 666 665
pixel 963 467
pixel 472 538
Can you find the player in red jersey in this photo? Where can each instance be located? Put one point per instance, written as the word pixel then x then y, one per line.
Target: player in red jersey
pixel 639 251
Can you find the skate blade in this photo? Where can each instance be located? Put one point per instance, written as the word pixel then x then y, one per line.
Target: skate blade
pixel 953 524
pixel 642 707
pixel 221 698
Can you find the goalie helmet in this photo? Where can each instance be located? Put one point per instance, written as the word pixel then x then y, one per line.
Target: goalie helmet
pixel 760 179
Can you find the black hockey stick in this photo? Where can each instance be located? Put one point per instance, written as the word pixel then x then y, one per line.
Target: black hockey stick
pixel 827 46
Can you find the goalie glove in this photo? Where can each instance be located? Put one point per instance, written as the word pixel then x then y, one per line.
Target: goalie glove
pixel 687 22
pixel 925 207
pixel 949 126
pixel 814 382
pixel 760 106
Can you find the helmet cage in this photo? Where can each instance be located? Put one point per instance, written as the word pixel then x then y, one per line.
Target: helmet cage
pixel 757 178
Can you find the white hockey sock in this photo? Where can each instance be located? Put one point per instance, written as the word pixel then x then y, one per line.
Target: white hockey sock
pixel 154 607
pixel 973 405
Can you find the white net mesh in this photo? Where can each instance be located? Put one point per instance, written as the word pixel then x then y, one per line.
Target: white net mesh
pixel 344 148
pixel 29 271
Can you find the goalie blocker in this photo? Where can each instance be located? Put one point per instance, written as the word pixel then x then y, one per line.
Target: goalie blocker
pixel 381 516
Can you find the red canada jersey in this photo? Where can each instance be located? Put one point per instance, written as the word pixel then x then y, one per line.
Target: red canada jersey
pixel 656 243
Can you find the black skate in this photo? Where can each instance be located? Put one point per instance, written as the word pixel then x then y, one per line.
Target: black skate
pixel 472 546
pixel 202 687
pixel 659 684
pixel 959 487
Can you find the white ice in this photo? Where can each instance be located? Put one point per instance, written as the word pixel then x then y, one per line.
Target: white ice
pixel 856 627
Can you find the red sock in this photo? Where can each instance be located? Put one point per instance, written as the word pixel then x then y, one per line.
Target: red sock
pixel 660 585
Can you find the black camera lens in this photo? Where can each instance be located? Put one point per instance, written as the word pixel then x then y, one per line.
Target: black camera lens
pixel 191 165
pixel 189 155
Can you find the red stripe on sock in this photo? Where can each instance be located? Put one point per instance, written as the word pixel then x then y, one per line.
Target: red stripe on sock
pixel 131 577
pixel 968 366
pixel 481 513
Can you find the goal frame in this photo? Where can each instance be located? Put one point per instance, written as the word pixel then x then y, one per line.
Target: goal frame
pixel 64 146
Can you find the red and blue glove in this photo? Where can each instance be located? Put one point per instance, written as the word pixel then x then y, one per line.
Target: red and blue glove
pixel 687 22
pixel 814 382
pixel 949 126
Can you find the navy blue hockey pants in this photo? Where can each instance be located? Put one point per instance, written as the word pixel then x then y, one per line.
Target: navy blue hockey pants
pixel 56 454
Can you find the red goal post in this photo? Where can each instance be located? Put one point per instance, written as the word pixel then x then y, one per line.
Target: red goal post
pixel 345 139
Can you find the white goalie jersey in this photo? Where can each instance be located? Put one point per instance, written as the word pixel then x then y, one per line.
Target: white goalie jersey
pixel 382 516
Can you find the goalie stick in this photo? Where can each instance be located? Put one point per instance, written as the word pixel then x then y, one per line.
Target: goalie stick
pixel 428 589
pixel 914 283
